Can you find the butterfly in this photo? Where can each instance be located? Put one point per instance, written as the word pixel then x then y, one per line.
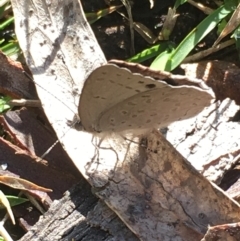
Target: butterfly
pixel 115 99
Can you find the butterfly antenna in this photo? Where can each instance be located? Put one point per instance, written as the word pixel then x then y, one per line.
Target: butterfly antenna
pixel 29 76
pixel 74 122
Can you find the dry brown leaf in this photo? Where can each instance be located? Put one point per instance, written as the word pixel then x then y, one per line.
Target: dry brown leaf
pixel 22 164
pixel 231 25
pixel 225 232
pixel 168 24
pixel 12 80
pixel 21 184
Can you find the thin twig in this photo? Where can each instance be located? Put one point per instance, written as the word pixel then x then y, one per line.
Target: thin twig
pixel 201 7
pixel 204 53
pixel 24 102
pixel 33 201
pixel 128 7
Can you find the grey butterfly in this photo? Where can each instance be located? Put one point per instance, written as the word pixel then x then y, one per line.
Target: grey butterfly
pixel 115 99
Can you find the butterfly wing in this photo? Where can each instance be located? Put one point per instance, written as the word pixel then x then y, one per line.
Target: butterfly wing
pixel 154 108
pixel 107 86
pixel 115 99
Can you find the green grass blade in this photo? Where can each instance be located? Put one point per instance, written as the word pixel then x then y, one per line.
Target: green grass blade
pixel 93 17
pixel 196 35
pixel 10 48
pixel 6 23
pixel 3 7
pixel 160 62
pixel 4 103
pixel 150 52
pixel 178 3
pixel 14 201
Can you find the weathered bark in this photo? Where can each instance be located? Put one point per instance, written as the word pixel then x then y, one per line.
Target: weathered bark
pixel 209 141
pixel 67 220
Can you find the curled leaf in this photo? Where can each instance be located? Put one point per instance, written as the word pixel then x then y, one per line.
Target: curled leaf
pixel 19 183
